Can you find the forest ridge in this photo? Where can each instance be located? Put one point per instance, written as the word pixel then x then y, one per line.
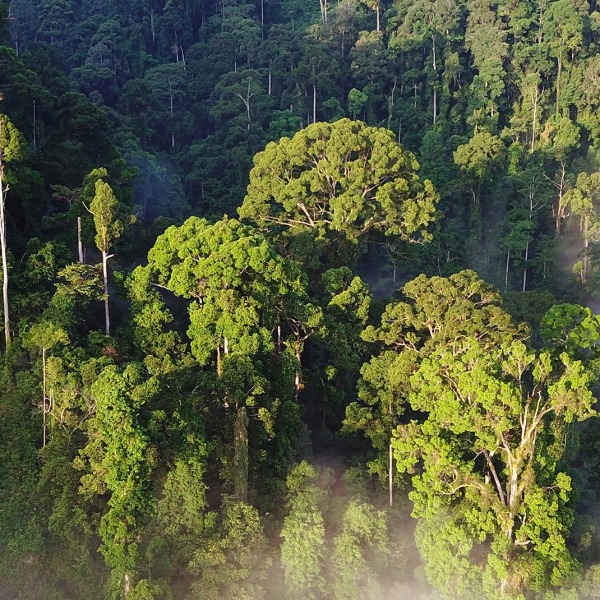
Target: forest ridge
pixel 298 299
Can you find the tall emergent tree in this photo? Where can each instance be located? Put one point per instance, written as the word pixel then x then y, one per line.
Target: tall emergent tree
pixel 109 227
pixel 334 184
pixel 12 147
pixel 246 302
pixel 486 439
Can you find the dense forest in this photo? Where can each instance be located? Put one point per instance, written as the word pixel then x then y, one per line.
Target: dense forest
pixel 298 299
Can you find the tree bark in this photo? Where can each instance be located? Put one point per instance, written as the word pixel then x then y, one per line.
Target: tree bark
pixel 4 260
pixel 79 242
pixel 391 474
pixel 44 397
pixel 240 455
pixel 105 258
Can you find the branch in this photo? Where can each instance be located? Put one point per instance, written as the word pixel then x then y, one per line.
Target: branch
pixel 495 476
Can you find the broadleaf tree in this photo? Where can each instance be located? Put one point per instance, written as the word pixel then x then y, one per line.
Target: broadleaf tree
pixel 485 438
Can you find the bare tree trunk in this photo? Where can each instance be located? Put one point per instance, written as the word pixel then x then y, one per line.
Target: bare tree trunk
pixel 314 103
pixel 4 260
pixel 391 474
pixel 240 455
pixel 126 583
pixel 183 59
pixel 558 76
pixel 34 126
pixel 297 380
pixel 79 242
pixel 535 98
pixel 560 209
pixel 506 270
pixel 172 112
pixel 105 258
pixel 391 103
pixel 44 397
pixel 525 267
pixel 585 267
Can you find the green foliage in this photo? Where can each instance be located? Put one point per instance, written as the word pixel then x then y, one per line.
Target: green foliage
pixel 12 143
pixel 303 547
pixel 104 210
pixel 360 550
pixel 481 395
pixel 233 561
pixel 238 347
pixel 126 466
pixel 333 184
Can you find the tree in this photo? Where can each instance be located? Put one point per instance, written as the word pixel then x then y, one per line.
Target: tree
pixel 125 461
pixel 44 336
pixel 233 562
pixel 485 37
pixel 303 548
pixel 109 227
pixel 247 302
pixel 584 201
pixel 478 157
pixel 332 185
pixel 12 147
pixel 564 28
pixel 361 551
pixel 485 438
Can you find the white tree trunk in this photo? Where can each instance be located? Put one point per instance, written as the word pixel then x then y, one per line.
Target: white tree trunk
pixel 4 262
pixel 44 397
pixel 105 279
pixel 79 242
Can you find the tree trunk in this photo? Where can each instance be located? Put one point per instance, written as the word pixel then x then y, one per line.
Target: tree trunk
pixel 105 281
pixel 34 126
pixel 391 474
pixel 44 397
pixel 560 211
pixel 525 267
pixel 126 584
pixel 506 271
pixel 79 242
pixel 4 262
pixel 297 379
pixel 586 247
pixel 240 455
pixel 558 75
pixel 535 99
pixel 183 59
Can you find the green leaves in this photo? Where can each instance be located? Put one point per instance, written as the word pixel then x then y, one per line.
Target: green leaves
pixel 339 181
pixel 12 143
pixel 485 450
pixel 104 208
